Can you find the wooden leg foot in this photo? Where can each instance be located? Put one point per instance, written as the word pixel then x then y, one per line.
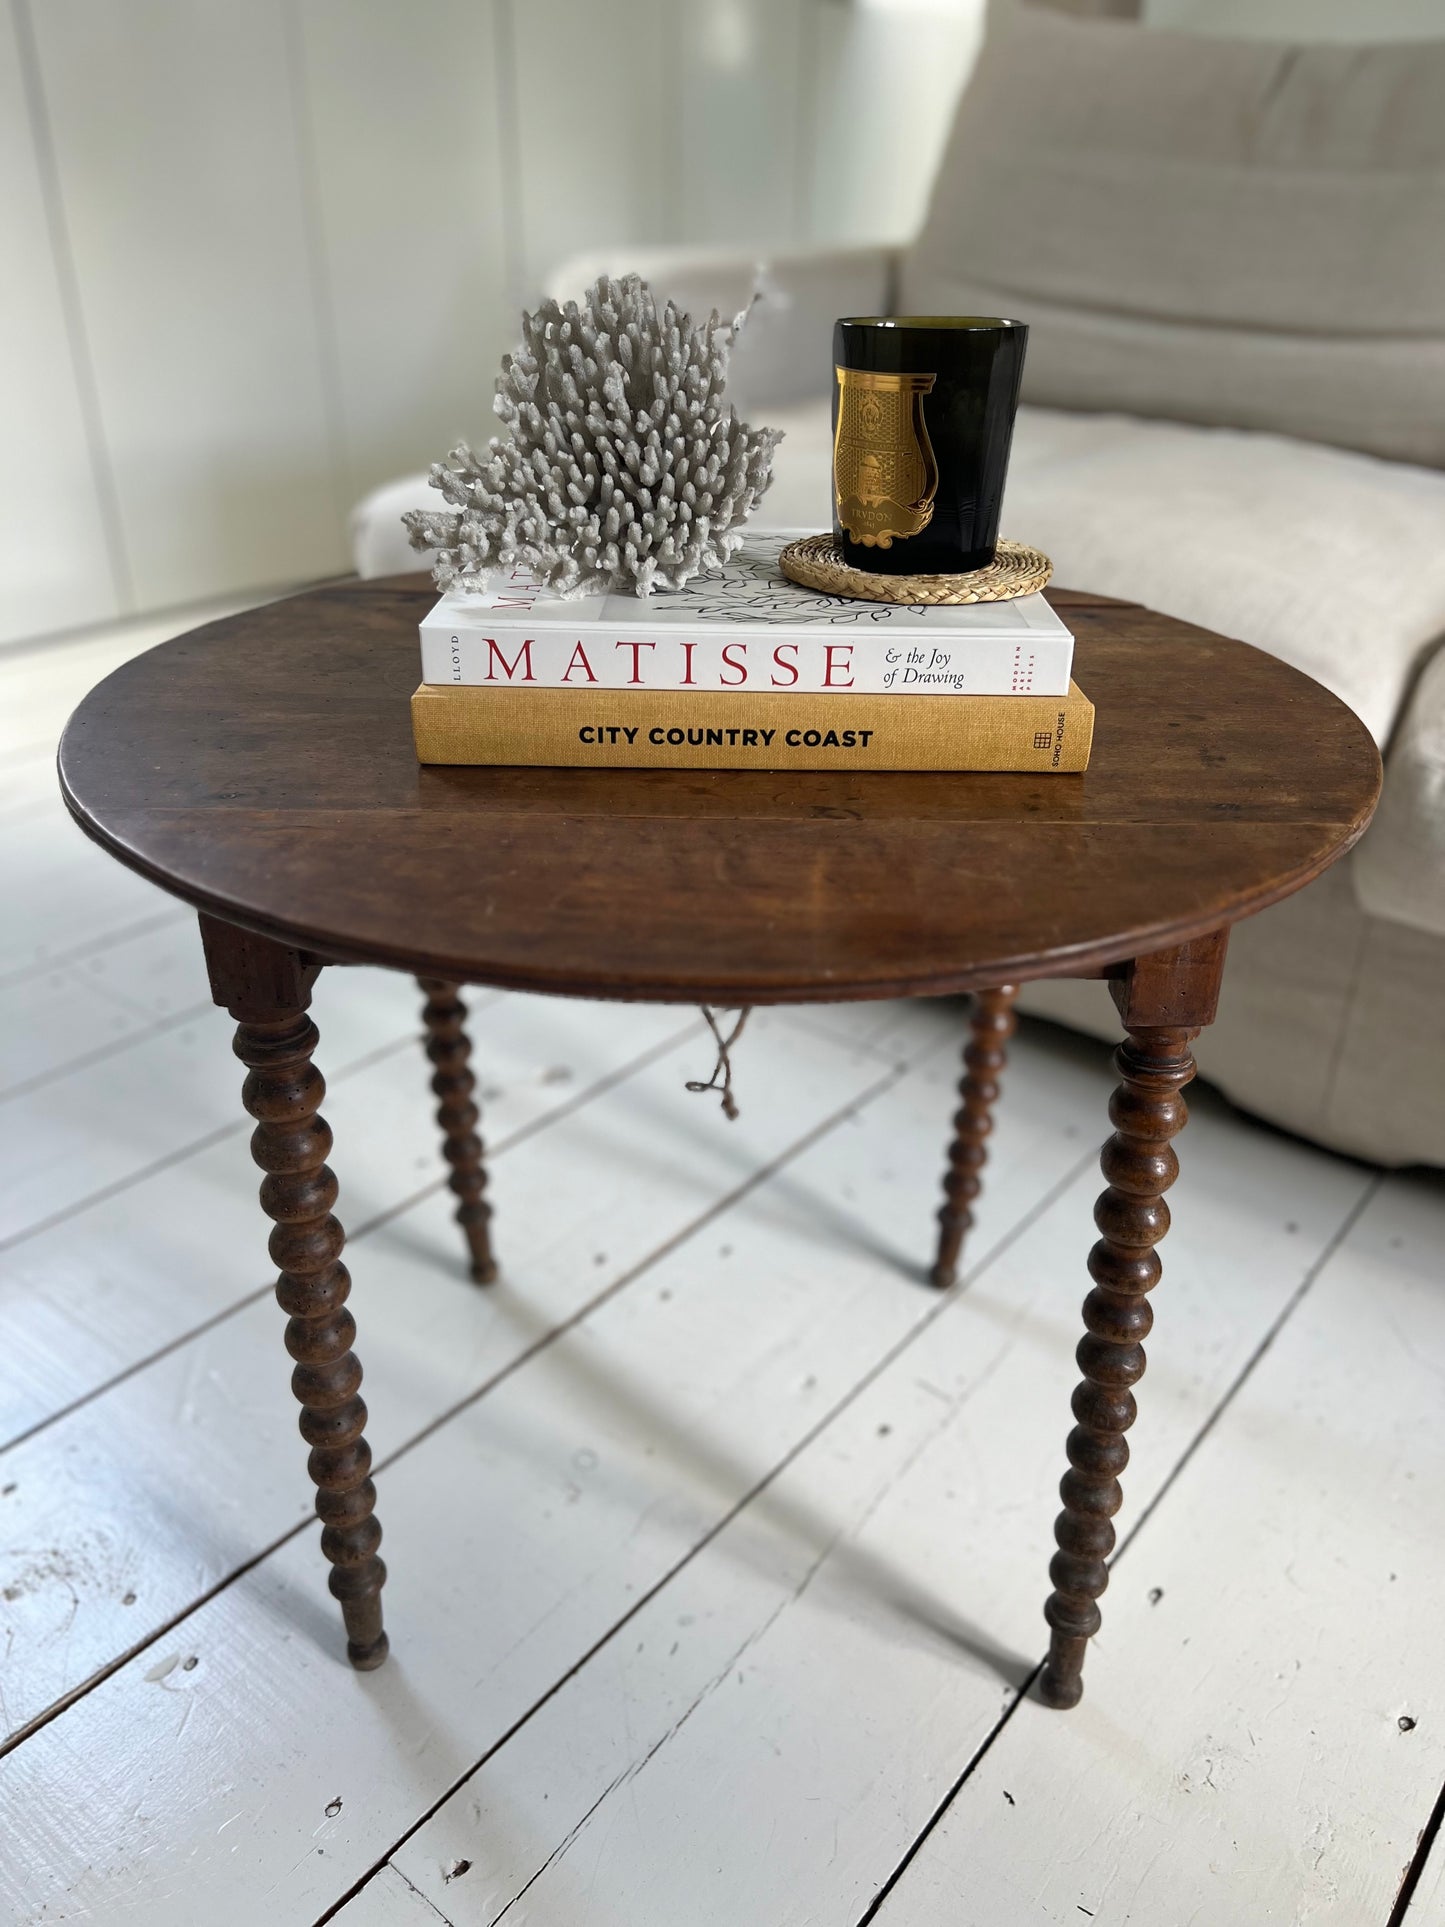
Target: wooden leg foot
pixel 991 1024
pixel 290 1143
pixel 450 1050
pixel 1138 1162
pixel 1063 1687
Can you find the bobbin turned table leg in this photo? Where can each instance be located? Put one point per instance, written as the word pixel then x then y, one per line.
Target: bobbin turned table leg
pixel 992 1023
pixel 267 989
pixel 1165 1000
pixel 450 1050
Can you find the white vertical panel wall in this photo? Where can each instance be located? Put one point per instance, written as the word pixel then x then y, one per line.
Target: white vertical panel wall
pixel 407 167
pixel 175 141
pixel 270 254
pixel 597 126
pixel 744 90
pixel 889 74
pixel 56 566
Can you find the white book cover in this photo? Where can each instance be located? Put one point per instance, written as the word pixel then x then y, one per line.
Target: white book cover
pixel 743 626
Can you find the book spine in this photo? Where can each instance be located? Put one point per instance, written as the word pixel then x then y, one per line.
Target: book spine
pixel 676 730
pixel 800 662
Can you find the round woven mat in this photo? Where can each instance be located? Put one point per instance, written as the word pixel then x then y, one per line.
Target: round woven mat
pixel 1016 570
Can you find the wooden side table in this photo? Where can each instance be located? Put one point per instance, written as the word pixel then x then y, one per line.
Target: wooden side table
pixel 262 769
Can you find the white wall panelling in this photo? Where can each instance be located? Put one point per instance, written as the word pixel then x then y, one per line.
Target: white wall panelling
pixel 268 256
pixel 410 207
pixel 597 127
pixel 55 566
pixel 888 75
pixel 744 94
pixel 176 147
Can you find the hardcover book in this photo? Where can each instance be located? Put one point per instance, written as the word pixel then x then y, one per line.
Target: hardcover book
pixel 743 628
pixel 676 729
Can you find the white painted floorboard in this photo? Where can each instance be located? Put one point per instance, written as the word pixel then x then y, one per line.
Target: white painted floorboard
pixel 519 1533
pixel 903 1554
pixel 390 1901
pixel 717 1541
pixel 1427 1905
pixel 158 1448
pixel 1279 1619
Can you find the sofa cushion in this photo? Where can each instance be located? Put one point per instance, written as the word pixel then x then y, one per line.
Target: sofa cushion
pixel 1323 557
pixel 1298 549
pixel 1222 231
pixel 1400 867
pixel 1328 1023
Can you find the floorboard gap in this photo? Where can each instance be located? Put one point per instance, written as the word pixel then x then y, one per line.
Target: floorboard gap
pixel 193 1149
pixel 1417 1865
pixel 871 1912
pixel 367 1225
pixel 173 1020
pixel 124 933
pixel 53 1711
pixel 1342 1231
pixel 1416 1869
pixel 880 1364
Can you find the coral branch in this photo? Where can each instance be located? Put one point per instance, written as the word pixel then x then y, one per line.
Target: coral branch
pixel 622 466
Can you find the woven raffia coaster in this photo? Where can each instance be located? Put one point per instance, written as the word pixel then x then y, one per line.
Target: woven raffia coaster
pixel 1016 570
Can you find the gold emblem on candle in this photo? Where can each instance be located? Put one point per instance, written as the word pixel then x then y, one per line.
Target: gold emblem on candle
pixel 885 474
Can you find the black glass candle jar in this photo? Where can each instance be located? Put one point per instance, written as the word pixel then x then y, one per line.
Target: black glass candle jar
pixel 923 415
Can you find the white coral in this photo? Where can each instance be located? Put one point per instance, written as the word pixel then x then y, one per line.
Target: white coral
pixel 622 464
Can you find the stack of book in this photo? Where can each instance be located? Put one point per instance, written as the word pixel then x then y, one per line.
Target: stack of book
pixel 743 669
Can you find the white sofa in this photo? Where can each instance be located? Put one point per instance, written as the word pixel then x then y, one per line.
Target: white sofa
pixel 1332 1022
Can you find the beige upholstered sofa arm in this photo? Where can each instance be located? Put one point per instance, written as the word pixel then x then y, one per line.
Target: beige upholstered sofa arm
pixel 1399 868
pixel 783 355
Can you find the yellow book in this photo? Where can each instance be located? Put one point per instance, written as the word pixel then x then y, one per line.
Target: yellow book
pixel 679 729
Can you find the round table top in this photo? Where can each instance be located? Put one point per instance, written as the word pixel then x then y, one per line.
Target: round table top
pixel 262 768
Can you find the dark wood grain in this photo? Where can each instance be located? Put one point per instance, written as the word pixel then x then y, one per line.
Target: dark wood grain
pixel 450 1051
pixel 991 1024
pixel 291 1143
pixel 267 988
pixel 1179 986
pixel 262 768
pixel 1139 1165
